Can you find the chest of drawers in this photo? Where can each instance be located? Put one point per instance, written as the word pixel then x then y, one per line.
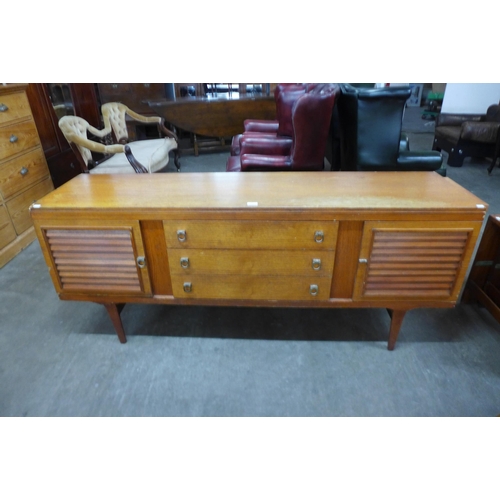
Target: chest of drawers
pixel 24 175
pixel 394 240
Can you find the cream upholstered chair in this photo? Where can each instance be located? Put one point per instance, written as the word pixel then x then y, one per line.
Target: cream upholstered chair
pixel 114 116
pixel 118 158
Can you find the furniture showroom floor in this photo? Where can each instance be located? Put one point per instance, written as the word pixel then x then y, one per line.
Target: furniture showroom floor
pixel 60 358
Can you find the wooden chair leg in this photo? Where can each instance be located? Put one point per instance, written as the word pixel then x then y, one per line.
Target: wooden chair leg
pixel 492 165
pixel 397 317
pixel 114 311
pixel 176 160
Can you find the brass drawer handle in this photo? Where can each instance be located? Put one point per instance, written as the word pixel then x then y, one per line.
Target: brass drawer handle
pixel 141 262
pixel 24 171
pixel 319 236
pixel 316 264
pixel 187 287
pixel 3 108
pixel 313 290
pixel 181 235
pixel 13 138
pixel 184 262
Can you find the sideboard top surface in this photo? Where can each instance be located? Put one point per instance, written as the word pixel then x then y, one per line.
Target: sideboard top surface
pixel 339 191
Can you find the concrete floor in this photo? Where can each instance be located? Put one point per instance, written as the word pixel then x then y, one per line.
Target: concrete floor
pixel 63 358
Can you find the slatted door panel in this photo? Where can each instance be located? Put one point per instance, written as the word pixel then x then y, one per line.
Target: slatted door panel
pixel 404 262
pixel 96 260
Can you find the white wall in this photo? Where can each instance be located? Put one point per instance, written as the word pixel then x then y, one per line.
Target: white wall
pixel 470 97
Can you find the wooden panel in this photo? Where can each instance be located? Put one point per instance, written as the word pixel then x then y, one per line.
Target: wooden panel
pixel 63 167
pixel 7 231
pixel 45 119
pixel 252 262
pixel 94 260
pixel 17 107
pixel 26 137
pixel 22 172
pixel 251 234
pixel 346 261
pixel 157 257
pixel 411 262
pixel 251 287
pixel 19 206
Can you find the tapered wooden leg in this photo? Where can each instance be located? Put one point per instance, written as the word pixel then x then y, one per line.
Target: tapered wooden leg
pixel 397 317
pixel 114 311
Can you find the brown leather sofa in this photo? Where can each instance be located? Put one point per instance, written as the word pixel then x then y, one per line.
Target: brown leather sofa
pixel 466 135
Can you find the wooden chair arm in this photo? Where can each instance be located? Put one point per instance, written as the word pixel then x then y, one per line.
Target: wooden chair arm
pixel 165 131
pixel 96 147
pixel 138 167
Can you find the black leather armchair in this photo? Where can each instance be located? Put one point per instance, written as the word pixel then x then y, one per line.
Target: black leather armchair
pixel 465 135
pixel 370 124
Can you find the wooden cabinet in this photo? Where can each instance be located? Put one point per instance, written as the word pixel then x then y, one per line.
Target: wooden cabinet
pixel 24 175
pixel 394 240
pixel 50 101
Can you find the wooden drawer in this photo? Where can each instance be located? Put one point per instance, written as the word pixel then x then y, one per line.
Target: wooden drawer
pixel 251 262
pixel 281 235
pixel 22 173
pixel 7 231
pixel 16 138
pixel 19 206
pixel 17 107
pixel 251 287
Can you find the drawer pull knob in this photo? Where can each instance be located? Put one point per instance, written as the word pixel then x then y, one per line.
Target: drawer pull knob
pixel 187 287
pixel 13 138
pixel 141 262
pixel 3 108
pixel 184 262
pixel 316 264
pixel 24 171
pixel 319 236
pixel 181 235
pixel 313 290
pixel 363 261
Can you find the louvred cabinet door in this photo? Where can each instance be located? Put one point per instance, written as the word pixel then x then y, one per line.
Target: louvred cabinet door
pixel 96 258
pixel 414 260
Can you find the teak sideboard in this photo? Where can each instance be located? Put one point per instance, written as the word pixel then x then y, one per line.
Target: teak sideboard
pixel 394 240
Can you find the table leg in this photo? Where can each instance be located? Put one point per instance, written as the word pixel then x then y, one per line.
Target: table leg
pixel 397 317
pixel 114 311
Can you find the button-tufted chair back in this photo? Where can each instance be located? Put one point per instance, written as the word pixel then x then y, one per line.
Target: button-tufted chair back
pixel 75 131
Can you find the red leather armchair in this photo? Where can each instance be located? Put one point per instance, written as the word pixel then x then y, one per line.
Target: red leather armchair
pixel 310 123
pixel 285 95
